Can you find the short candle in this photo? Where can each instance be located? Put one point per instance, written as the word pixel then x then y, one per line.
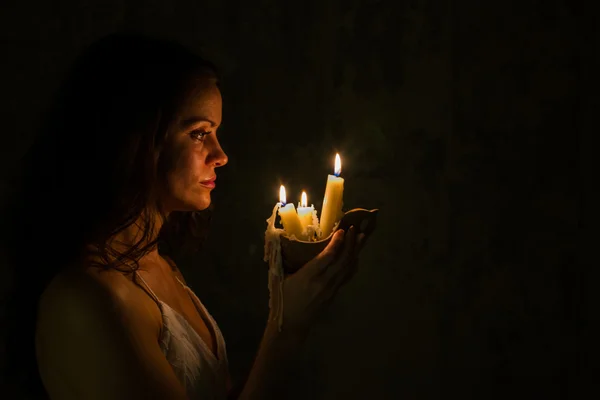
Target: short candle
pixel 289 217
pixel 305 213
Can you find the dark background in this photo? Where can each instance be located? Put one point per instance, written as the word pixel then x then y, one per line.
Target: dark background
pixel 467 123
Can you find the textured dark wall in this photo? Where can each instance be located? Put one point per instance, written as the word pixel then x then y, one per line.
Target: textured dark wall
pixel 468 124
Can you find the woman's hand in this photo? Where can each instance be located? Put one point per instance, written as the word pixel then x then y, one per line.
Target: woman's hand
pixel 305 294
pixel 308 291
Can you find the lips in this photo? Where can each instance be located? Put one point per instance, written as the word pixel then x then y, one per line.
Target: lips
pixel 209 183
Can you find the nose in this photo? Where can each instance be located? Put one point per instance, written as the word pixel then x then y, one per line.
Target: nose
pixel 217 157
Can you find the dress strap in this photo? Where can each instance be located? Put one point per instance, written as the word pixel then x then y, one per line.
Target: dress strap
pixel 182 284
pixel 146 288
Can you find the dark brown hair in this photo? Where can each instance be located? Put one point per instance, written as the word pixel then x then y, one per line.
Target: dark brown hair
pixel 92 172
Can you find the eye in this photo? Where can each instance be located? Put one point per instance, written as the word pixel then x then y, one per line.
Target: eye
pixel 198 134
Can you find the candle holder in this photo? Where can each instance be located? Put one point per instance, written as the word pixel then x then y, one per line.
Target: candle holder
pixel 295 253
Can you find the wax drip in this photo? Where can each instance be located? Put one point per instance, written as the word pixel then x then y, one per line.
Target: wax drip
pixel 272 255
pixel 315 223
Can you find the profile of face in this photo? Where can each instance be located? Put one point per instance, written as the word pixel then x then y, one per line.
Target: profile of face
pixel 193 151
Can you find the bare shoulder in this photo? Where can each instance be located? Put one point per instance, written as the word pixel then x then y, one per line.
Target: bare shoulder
pixel 92 289
pixel 97 337
pixel 93 298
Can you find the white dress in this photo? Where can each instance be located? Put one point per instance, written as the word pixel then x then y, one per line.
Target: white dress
pixel 203 375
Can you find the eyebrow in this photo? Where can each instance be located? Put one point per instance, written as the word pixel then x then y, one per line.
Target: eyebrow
pixel 194 120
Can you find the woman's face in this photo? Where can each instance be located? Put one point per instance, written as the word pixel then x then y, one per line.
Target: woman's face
pixel 193 150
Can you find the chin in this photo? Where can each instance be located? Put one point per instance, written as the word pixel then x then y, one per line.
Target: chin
pixel 194 207
pixel 191 202
pixel 202 207
pixel 202 203
pixel 198 206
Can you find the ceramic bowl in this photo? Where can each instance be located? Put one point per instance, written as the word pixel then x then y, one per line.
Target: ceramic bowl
pixel 296 253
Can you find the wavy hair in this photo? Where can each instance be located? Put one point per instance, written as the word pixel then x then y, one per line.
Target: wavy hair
pixel 95 169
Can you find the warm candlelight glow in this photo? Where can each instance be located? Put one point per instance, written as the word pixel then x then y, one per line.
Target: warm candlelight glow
pixel 338 165
pixel 289 217
pixel 282 195
pixel 307 215
pixel 333 200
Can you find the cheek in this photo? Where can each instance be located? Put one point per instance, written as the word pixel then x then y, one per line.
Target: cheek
pixel 189 168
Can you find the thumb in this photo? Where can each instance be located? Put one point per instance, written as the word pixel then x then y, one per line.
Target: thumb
pixel 328 255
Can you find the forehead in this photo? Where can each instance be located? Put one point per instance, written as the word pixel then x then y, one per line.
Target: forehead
pixel 203 100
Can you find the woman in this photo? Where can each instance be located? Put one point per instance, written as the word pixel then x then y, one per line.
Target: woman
pixel 128 160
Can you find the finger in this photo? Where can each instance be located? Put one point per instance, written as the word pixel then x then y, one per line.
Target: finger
pixel 342 279
pixel 353 263
pixel 360 241
pixel 328 255
pixel 337 267
pixel 349 248
pixel 331 252
pixel 352 266
pixel 348 275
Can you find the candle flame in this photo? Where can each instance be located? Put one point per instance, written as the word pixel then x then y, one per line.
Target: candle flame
pixel 304 200
pixel 282 195
pixel 338 165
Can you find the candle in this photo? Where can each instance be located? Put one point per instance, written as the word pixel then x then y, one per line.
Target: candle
pixel 306 214
pixel 332 202
pixel 289 217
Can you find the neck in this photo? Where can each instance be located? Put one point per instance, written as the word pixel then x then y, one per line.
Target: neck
pixel 133 236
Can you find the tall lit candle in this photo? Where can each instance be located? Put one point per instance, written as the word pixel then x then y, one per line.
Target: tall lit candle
pixel 305 213
pixel 333 200
pixel 289 217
